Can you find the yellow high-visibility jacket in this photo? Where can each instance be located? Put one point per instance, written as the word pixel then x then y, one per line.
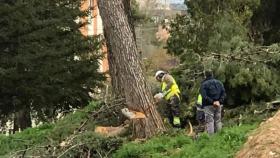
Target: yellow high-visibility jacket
pixel 199 100
pixel 169 87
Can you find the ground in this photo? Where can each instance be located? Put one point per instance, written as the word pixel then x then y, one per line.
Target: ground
pixel 264 142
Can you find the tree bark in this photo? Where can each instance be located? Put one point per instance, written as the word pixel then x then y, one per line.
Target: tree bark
pixel 115 81
pixel 129 14
pixel 126 60
pixel 117 89
pixel 22 119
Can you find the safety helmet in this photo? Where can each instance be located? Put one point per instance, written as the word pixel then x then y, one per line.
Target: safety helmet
pixel 159 74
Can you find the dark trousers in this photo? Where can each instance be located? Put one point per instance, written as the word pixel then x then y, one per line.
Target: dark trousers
pixel 173 109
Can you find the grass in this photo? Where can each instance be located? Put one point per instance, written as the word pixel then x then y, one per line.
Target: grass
pixel 174 144
pixel 28 137
pixel 222 145
pixel 46 133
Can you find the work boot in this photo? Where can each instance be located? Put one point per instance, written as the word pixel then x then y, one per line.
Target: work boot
pixel 176 122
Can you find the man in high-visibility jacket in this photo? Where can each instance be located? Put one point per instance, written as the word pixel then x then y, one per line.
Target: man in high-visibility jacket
pixel 199 111
pixel 171 93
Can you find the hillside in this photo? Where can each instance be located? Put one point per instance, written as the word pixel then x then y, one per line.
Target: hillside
pixel 74 136
pixel 176 144
pixel 265 141
pixel 140 79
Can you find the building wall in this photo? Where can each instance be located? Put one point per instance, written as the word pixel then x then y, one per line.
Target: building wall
pixel 94 27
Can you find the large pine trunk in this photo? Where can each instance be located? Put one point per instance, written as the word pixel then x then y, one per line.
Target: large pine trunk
pixel 126 60
pixel 117 89
pixel 115 80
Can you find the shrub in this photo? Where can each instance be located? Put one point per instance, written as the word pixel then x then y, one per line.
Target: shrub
pixel 49 136
pixel 25 139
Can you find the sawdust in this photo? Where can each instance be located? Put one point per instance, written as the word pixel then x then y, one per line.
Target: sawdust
pixel 110 131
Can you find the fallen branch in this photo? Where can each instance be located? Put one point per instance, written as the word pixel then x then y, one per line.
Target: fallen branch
pixel 250 56
pixel 191 133
pixel 88 154
pixel 25 150
pixel 103 108
pixel 110 131
pixel 72 147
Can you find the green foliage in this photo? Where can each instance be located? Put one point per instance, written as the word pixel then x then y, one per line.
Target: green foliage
pixel 223 144
pixel 46 63
pixel 70 123
pixel 45 140
pixel 215 36
pixel 153 147
pixel 137 15
pixel 265 23
pixel 53 133
pixel 25 139
pixel 211 26
pixel 248 114
pixel 247 83
pixel 97 145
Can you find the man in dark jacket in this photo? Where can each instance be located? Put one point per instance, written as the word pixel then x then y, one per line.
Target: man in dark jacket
pixel 213 96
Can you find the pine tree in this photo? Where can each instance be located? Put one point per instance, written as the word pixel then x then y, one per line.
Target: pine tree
pixel 216 34
pixel 127 63
pixel 265 23
pixel 46 63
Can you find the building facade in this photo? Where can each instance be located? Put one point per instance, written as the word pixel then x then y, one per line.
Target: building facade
pixel 94 27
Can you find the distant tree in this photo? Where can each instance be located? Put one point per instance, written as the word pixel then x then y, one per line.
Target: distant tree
pixel 265 23
pixel 46 63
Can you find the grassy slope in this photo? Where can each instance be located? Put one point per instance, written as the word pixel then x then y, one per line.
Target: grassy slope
pixel 221 145
pixel 45 134
pixel 25 139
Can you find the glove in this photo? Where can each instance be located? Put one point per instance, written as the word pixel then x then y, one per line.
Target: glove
pixel 158 96
pixel 176 121
pixel 128 113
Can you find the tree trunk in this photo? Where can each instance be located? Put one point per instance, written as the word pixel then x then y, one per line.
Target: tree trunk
pixel 115 81
pixel 22 119
pixel 122 44
pixel 117 89
pixel 129 14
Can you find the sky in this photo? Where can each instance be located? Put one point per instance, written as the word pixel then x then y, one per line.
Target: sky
pixel 177 1
pixel 173 1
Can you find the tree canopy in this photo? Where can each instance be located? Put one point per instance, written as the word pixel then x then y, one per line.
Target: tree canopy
pixel 45 61
pixel 217 35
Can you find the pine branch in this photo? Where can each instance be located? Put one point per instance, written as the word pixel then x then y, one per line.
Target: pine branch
pixel 69 149
pixel 25 150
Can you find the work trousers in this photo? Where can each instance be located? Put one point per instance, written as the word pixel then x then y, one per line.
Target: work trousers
pixel 173 109
pixel 213 116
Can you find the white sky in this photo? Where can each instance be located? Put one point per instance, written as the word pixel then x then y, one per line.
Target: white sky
pixel 172 1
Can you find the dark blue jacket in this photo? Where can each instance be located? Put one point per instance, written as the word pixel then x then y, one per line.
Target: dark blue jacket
pixel 212 90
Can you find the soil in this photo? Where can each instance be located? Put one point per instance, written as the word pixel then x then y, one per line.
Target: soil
pixel 264 142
